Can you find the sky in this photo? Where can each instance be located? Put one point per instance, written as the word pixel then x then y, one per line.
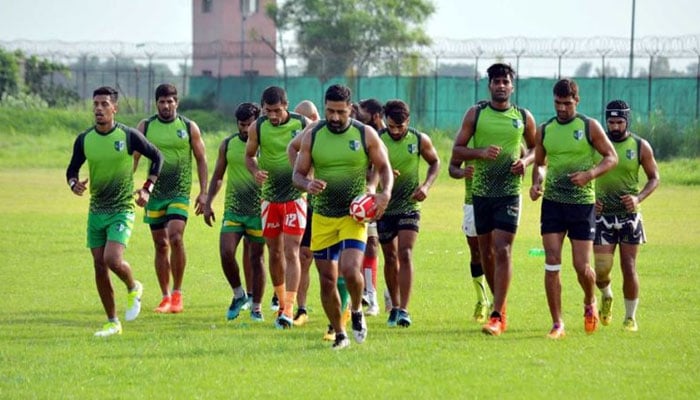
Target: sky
pixel 169 21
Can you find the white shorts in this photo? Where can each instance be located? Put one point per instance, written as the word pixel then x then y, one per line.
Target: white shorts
pixel 372 229
pixel 468 224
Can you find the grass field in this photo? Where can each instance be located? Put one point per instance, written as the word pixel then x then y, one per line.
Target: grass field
pixel 49 309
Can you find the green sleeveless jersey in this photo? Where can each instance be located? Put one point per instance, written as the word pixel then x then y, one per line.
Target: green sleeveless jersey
pixel 273 141
pixel 242 193
pixel 492 178
pixel 568 149
pixel 110 162
pixel 404 156
pixel 341 160
pixel 621 180
pixel 174 142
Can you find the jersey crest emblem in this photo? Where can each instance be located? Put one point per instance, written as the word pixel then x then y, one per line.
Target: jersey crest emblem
pixel 181 133
pixel 119 145
pixel 517 123
pixel 578 134
pixel 354 145
pixel 412 148
pixel 630 154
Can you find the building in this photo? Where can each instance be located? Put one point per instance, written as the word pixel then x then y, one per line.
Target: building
pixel 233 38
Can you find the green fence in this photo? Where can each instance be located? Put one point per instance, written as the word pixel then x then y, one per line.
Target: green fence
pixel 440 102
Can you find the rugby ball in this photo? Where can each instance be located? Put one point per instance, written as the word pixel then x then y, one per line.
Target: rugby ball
pixel 362 208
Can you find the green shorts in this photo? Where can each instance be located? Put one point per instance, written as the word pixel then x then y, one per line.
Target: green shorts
pixel 246 225
pixel 113 227
pixel 159 210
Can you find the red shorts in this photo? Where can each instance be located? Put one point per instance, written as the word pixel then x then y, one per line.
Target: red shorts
pixel 288 217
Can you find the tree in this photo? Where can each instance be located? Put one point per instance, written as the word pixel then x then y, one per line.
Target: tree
pixel 584 70
pixel 334 35
pixel 9 74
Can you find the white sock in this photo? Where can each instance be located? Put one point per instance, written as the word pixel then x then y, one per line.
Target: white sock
pixel 238 292
pixel 631 308
pixel 607 292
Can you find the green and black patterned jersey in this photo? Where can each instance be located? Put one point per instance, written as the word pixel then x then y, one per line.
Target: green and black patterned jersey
pixel 242 193
pixel 468 181
pixel 621 180
pixel 174 142
pixel 273 141
pixel 110 165
pixel 503 128
pixel 568 149
pixel 341 160
pixel 404 157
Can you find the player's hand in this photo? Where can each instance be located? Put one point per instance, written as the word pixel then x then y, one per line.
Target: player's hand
pixel 536 191
pixel 260 176
pixel 491 152
pixel 420 194
pixel 79 187
pixel 199 204
pixel 315 186
pixel 518 167
pixel 381 201
pixel 469 172
pixel 142 197
pixel 396 173
pixel 630 202
pixel 598 207
pixel 208 214
pixel 580 178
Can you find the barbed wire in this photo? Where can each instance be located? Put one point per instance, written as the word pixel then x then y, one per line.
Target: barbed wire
pixel 677 47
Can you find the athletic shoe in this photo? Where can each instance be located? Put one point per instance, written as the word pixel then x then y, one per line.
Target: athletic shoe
pixel 236 306
pixel 372 305
pixel 365 298
pixel 330 334
pixel 481 312
pixel 404 319
pixel 387 301
pixel 301 317
pixel 606 311
pixel 109 329
pixel 359 327
pixel 630 325
pixel 494 327
pixel 275 303
pixel 249 304
pixel 557 331
pixel 164 306
pixel 341 342
pixel 393 317
pixel 133 302
pixel 283 321
pixel 590 318
pixel 176 302
pixel 257 316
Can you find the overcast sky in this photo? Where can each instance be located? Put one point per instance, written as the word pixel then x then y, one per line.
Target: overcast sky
pixel 170 20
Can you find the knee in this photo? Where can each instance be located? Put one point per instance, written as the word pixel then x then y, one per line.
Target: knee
pixel 405 255
pixel 162 244
pixel 603 266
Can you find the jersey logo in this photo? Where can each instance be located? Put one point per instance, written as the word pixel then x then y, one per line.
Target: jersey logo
pixel 181 133
pixel 354 145
pixel 412 148
pixel 630 154
pixel 517 124
pixel 295 133
pixel 578 134
pixel 119 145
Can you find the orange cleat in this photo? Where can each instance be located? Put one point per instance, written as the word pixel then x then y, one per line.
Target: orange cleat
pixel 164 306
pixel 557 331
pixel 176 303
pixel 590 318
pixel 494 327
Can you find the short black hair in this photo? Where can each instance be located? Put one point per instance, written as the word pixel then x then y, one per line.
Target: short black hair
pixel 339 93
pixel 245 111
pixel 107 91
pixel 372 106
pixel 274 95
pixel 566 87
pixel 397 110
pixel 499 70
pixel 166 90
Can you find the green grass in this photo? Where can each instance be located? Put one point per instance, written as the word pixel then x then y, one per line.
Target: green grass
pixel 49 310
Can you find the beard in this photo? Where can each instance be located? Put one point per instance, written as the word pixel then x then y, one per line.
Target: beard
pixel 616 135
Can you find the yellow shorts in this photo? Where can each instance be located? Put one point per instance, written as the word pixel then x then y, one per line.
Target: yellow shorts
pixel 327 231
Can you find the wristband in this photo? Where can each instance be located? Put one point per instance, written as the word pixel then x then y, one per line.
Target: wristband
pixel 72 183
pixel 148 186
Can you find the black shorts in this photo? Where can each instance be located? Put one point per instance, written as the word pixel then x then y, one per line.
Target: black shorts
pixel 389 226
pixel 611 229
pixel 578 220
pixel 501 213
pixel 306 239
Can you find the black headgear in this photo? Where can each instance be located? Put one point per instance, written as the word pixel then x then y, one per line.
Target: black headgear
pixel 617 108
